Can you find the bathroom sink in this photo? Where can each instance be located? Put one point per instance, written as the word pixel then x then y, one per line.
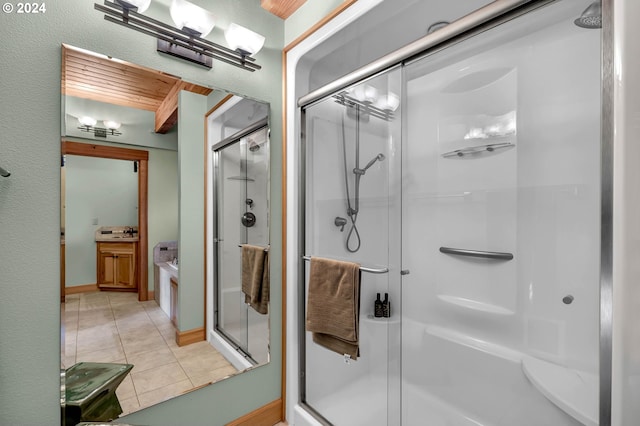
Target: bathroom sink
pixel 172 266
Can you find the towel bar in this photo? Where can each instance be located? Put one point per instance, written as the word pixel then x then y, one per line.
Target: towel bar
pixel 477 253
pixel 362 268
pixel 265 248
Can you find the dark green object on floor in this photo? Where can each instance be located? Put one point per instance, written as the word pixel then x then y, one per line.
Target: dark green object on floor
pixel 91 391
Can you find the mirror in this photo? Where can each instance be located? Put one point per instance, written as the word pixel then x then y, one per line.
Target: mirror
pixel 238 135
pixel 131 195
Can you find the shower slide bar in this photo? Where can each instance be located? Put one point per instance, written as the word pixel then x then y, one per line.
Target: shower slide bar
pixel 362 268
pixel 477 253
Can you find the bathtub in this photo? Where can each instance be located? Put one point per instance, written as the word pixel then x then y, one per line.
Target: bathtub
pixel 451 379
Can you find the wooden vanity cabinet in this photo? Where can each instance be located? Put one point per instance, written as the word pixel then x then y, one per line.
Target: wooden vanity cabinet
pixel 117 266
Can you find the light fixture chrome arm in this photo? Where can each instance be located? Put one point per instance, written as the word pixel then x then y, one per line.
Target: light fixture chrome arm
pixel 183 39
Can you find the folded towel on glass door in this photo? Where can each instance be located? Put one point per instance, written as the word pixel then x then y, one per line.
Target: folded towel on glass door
pixel 333 305
pixel 255 277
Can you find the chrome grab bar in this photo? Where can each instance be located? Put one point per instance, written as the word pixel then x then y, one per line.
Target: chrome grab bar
pixel 477 253
pixel 362 268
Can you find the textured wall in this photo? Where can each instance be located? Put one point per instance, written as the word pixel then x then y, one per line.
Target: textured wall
pixel 30 126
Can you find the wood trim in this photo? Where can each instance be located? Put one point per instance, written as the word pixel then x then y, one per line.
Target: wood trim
pixel 267 415
pixel 184 338
pixel 63 290
pixel 284 237
pixel 215 107
pixel 143 241
pixel 151 294
pixel 104 151
pixel 335 12
pixel 86 288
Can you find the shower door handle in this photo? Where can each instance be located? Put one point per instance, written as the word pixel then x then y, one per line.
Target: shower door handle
pixel 477 253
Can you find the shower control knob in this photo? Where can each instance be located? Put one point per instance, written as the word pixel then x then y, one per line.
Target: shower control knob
pixel 248 219
pixel 567 300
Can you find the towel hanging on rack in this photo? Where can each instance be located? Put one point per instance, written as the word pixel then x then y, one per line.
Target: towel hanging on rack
pixel 255 277
pixel 333 305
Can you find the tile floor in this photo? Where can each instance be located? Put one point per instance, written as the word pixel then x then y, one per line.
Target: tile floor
pixel 115 327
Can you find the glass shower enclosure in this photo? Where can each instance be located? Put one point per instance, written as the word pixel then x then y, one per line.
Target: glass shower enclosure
pixel 241 194
pixel 466 183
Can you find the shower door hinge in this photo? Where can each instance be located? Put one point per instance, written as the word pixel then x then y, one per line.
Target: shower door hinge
pixel 404 272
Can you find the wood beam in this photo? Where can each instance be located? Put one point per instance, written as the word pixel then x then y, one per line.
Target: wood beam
pixel 282 8
pixel 167 112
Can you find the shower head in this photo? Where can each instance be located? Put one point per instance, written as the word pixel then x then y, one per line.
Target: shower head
pixel 591 18
pixel 378 157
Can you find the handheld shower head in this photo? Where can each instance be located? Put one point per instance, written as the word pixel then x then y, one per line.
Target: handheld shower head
pixel 378 157
pixel 591 18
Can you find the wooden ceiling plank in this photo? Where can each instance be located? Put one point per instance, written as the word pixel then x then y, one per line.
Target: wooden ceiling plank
pixel 138 84
pixel 282 8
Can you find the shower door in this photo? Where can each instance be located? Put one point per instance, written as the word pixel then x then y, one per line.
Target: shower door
pixel 500 226
pixel 241 189
pixel 352 207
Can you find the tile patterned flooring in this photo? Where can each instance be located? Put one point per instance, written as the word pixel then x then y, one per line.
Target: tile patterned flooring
pixel 115 327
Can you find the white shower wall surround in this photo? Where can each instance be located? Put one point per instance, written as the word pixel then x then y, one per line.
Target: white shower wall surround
pixel 495 148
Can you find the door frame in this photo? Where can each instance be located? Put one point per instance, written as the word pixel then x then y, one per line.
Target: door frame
pixel 142 157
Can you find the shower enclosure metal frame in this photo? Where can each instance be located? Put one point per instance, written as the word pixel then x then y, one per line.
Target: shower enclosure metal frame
pixel 479 21
pixel 235 138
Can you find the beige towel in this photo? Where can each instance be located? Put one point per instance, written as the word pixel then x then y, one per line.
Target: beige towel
pixel 255 277
pixel 333 305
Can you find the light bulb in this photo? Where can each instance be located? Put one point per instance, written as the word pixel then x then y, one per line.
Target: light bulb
pixel 111 125
pixel 188 15
pixel 87 121
pixel 243 39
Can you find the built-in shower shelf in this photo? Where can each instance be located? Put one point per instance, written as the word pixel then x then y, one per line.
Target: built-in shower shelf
pixel 370 318
pixel 573 391
pixel 475 305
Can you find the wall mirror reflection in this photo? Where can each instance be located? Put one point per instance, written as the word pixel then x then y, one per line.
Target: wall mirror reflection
pixel 134 324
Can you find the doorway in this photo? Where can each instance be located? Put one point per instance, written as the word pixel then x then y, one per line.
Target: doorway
pixel 141 157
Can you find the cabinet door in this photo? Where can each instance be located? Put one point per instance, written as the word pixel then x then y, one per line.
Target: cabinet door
pixel 124 270
pixel 106 265
pixel 117 266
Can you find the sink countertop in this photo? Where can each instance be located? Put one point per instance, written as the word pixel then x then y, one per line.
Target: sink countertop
pixel 116 234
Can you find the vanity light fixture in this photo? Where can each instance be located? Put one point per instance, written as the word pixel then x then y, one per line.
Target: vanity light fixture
pixel 87 124
pixel 243 40
pixel 186 39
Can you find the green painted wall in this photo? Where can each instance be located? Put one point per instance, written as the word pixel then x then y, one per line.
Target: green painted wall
pixel 101 190
pixel 30 125
pixel 191 110
pixel 162 196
